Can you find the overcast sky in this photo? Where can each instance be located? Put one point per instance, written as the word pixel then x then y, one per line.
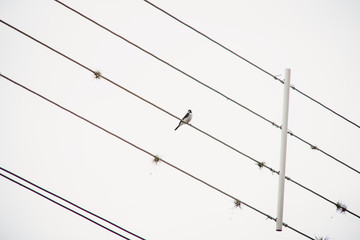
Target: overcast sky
pixel 317 40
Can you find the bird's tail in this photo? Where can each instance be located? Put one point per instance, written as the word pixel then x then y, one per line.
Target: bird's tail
pixel 178 126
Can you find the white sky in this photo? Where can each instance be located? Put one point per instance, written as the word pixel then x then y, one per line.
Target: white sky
pixel 318 40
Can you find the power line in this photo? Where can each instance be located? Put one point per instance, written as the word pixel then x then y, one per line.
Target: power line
pixel 323 152
pixel 212 40
pixel 152 155
pixel 317 194
pixel 63 206
pixel 71 203
pixel 251 63
pixel 197 80
pixel 98 75
pixel 324 106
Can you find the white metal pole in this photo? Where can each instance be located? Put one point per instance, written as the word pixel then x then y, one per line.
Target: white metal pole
pixel 284 130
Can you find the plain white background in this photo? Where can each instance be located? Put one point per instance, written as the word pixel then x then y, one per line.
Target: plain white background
pixel 318 40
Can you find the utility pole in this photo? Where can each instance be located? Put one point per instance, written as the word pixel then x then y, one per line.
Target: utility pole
pixel 284 131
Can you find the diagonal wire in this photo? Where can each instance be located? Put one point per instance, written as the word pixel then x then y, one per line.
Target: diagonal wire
pixel 251 63
pixel 315 193
pixel 153 155
pixel 63 206
pixel 212 40
pixel 195 79
pixel 323 152
pixel 71 203
pixel 324 106
pixel 97 74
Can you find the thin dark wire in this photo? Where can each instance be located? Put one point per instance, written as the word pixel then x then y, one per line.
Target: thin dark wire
pixel 52 49
pixel 152 104
pixel 188 75
pixel 67 110
pixel 323 152
pixel 143 150
pixel 212 40
pixel 63 206
pixel 251 63
pixel 323 105
pixel 71 203
pixel 313 192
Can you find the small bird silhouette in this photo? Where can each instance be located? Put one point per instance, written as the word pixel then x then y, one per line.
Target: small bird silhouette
pixel 186 119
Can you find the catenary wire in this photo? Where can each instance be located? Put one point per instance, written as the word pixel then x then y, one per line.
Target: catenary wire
pixel 152 155
pixel 200 82
pixel 156 106
pixel 63 206
pixel 251 63
pixel 71 203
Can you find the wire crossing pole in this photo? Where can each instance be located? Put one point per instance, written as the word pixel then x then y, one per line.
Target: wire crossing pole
pixel 284 130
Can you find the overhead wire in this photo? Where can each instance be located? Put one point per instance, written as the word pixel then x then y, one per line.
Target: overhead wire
pixel 314 147
pixel 197 80
pixel 71 203
pixel 262 164
pixel 317 194
pixel 212 40
pixel 249 62
pixel 63 206
pixel 151 154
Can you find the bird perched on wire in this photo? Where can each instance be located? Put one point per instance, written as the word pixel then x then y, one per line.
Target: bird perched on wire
pixel 186 119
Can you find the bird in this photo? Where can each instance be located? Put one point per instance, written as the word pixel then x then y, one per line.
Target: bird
pixel 186 119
